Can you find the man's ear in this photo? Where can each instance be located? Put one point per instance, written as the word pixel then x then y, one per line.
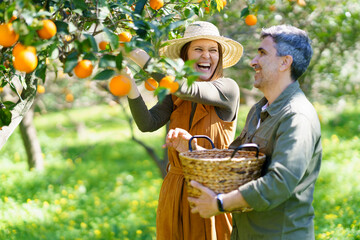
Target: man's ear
pixel 286 63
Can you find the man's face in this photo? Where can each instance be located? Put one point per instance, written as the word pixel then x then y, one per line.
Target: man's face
pixel 266 65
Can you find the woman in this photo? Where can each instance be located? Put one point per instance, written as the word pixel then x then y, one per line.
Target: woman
pixel 207 107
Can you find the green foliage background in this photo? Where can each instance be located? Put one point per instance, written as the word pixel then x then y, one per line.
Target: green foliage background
pixel 98 184
pixel 332 25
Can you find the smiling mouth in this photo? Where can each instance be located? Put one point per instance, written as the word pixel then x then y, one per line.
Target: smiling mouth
pixel 204 66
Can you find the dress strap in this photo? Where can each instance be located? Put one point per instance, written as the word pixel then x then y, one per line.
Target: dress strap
pixel 175 170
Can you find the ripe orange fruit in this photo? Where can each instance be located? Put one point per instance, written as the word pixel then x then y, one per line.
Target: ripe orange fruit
pixel 19 48
pixel 69 97
pixel 124 37
pixel 169 83
pixel 251 20
pixel 8 36
pixel 156 4
pixel 301 3
pixel 151 84
pixel 40 89
pixel 224 3
pixel 83 69
pixel 120 85
pixel 25 60
pixel 103 44
pixel 48 30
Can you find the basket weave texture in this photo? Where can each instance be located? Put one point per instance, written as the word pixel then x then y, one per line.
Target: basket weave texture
pixel 214 169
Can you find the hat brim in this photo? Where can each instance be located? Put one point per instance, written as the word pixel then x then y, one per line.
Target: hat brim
pixel 232 50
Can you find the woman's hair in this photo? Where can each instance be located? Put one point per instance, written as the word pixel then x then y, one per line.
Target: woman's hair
pixel 291 41
pixel 219 70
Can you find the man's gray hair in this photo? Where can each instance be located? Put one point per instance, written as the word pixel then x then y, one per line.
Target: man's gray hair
pixel 291 41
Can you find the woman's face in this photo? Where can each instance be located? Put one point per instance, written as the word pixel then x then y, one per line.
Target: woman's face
pixel 207 54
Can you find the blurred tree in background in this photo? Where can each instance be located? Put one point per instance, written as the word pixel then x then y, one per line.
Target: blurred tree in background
pixel 333 26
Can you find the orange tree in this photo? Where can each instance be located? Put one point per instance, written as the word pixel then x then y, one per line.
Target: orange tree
pixel 64 35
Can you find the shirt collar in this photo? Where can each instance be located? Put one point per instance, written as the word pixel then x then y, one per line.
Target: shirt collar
pixel 281 100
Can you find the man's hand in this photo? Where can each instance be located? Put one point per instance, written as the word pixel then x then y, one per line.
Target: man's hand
pixel 178 138
pixel 206 204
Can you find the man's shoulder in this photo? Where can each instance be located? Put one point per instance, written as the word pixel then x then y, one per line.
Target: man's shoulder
pixel 302 109
pixel 300 104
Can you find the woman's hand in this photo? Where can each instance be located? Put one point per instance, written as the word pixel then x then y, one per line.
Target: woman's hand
pixel 134 91
pixel 139 56
pixel 178 138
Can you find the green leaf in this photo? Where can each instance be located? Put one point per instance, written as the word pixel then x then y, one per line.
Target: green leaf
pixel 90 56
pixel 189 13
pixel 244 12
pixel 175 25
pixel 104 75
pixel 54 52
pixel 41 72
pixel 107 61
pixel 119 60
pixel 80 4
pixel 62 27
pixel 5 116
pixel 140 6
pixel 92 42
pixel 70 62
pixel 113 38
pixel 141 28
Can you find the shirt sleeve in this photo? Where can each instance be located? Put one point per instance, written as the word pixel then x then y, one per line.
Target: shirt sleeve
pixel 222 93
pixel 153 119
pixel 291 157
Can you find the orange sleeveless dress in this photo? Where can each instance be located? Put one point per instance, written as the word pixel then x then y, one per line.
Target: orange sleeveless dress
pixel 174 219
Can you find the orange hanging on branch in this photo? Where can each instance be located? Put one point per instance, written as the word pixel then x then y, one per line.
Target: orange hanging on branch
pixel 48 30
pixel 8 36
pixel 120 85
pixel 250 20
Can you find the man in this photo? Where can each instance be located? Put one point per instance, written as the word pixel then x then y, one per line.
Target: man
pixel 285 126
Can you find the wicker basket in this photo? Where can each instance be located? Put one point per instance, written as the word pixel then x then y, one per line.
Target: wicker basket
pixel 221 170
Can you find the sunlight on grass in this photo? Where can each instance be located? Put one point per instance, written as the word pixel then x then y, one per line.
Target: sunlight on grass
pixel 99 184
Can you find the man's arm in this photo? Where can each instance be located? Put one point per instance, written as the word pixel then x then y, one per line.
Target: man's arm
pixel 206 204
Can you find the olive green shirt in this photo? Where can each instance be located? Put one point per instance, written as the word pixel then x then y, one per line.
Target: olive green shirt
pixel 289 135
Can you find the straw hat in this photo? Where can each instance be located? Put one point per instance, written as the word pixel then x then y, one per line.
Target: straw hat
pixel 232 50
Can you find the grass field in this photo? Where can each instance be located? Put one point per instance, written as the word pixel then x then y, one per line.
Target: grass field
pixel 98 184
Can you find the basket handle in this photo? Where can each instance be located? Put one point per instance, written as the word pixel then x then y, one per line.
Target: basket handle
pixel 200 136
pixel 246 145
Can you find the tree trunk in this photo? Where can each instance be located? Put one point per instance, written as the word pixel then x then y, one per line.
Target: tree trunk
pixel 160 162
pixel 21 108
pixel 31 142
